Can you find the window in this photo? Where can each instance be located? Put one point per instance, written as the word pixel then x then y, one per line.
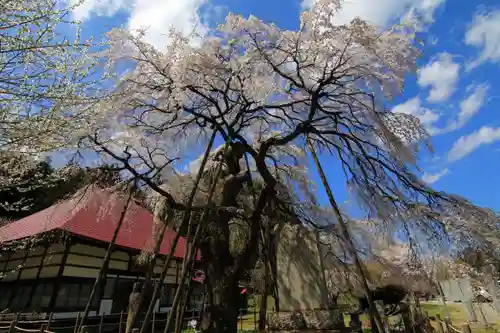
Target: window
pixel 37 297
pixel 109 287
pixel 73 292
pixel 47 295
pixel 62 296
pixel 85 294
pixel 6 292
pixel 26 297
pixel 21 297
pixel 196 297
pixel 167 294
pixel 75 295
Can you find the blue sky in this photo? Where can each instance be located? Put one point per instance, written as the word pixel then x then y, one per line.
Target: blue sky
pixel 455 93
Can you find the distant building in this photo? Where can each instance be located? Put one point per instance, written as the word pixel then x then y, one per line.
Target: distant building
pixel 49 260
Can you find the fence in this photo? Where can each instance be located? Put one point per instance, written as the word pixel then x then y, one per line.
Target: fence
pixel 445 326
pixel 111 323
pixel 116 323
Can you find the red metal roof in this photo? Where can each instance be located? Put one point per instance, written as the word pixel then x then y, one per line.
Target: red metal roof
pixel 94 214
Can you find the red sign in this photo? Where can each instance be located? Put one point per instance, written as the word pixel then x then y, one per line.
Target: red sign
pixel 199 276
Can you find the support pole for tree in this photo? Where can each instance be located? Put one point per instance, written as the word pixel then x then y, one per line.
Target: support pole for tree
pixel 202 308
pixel 443 299
pixel 184 274
pixel 267 284
pixel 105 264
pixel 180 310
pixel 186 219
pixel 150 270
pixel 193 249
pixel 185 301
pixel 348 240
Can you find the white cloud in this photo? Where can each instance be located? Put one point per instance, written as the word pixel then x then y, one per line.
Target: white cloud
pixel 441 75
pixel 469 107
pixel 467 144
pixel 383 12
pixel 156 16
pixel 431 178
pixel 414 107
pixel 484 33
pixel 98 7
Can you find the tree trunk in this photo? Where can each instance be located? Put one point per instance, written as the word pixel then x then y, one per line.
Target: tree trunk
pixel 221 316
pixel 202 309
pixel 263 301
pixel 267 283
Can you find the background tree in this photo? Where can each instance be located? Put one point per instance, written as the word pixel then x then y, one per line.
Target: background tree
pixel 28 185
pixel 44 68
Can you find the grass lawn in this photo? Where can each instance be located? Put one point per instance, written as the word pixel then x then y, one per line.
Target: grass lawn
pixel 459 316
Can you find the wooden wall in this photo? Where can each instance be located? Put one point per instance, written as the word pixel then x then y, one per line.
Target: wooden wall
pixel 27 265
pixel 84 259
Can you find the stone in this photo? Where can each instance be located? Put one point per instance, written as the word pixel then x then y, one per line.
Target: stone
pixel 286 321
pixel 323 319
pixel 302 287
pixel 301 278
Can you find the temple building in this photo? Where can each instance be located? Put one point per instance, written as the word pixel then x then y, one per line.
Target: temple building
pixel 49 261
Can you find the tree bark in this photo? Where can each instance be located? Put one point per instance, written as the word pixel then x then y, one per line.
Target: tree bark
pixel 263 300
pixel 344 231
pixel 267 283
pixel 202 309
pixel 221 314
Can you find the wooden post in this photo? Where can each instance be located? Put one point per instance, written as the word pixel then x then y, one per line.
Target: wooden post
pixel 13 323
pixel 482 317
pixel 355 323
pixel 77 322
pixel 101 322
pixel 405 314
pixel 447 325
pixel 254 314
pixel 120 323
pixel 375 319
pixel 50 321
pixel 385 322
pixel 440 328
pixel 42 328
pixel 466 328
pixel 153 322
pixel 240 312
